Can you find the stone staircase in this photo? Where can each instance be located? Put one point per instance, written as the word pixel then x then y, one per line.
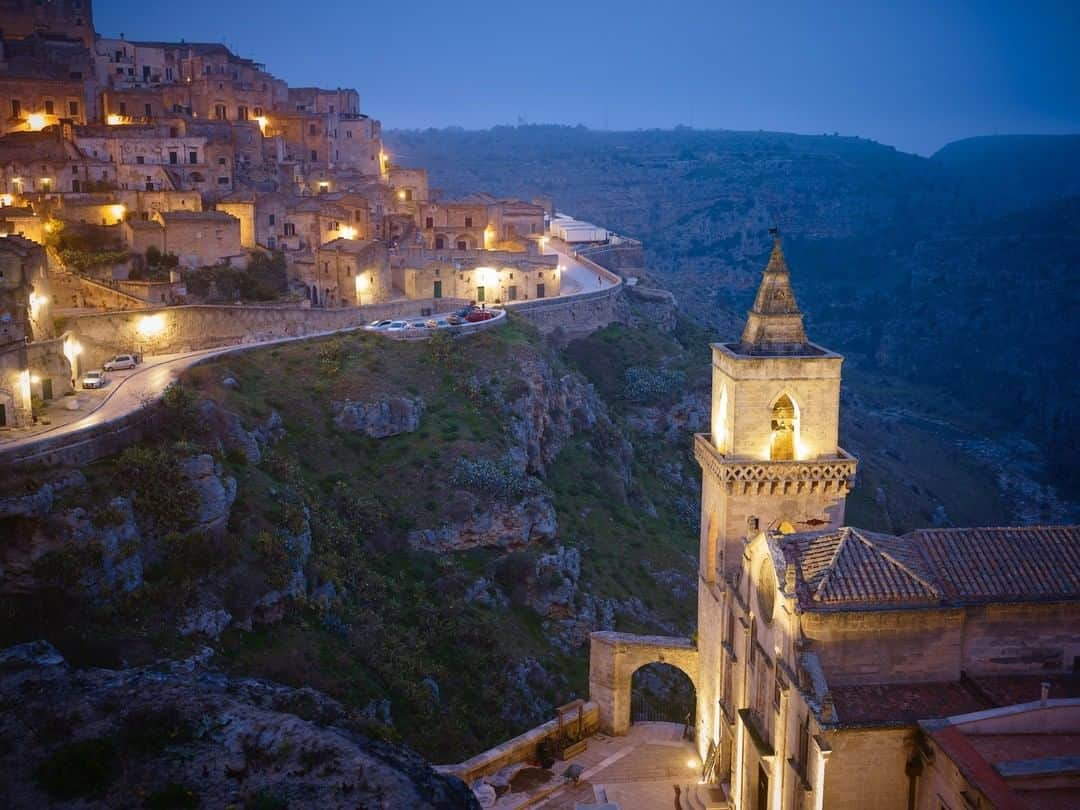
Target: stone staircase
pixel 703 797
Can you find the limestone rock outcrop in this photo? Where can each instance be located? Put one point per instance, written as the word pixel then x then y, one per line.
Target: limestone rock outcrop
pixel 214 490
pixel 380 418
pixel 497 525
pixel 181 729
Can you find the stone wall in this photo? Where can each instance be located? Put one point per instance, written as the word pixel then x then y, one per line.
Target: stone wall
pixel 867 769
pixel 521 748
pixel 924 645
pixel 72 291
pixel 168 330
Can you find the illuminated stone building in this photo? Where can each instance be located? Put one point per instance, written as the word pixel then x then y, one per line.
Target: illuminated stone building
pixel 821 647
pixel 347 273
pixel 25 315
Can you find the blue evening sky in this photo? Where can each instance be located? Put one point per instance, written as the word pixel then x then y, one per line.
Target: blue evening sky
pixel 912 74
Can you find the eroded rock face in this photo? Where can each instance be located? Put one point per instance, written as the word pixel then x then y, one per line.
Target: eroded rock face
pixel 496 525
pixel 554 586
pixel 380 418
pixel 40 501
pixel 224 740
pixel 548 410
pixel 215 492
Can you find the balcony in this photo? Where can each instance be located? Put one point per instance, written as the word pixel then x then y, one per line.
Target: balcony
pixel 832 475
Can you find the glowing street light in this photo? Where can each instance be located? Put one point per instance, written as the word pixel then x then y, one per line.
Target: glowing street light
pixel 118 212
pixel 114 120
pixel 36 122
pixel 263 122
pixel 151 325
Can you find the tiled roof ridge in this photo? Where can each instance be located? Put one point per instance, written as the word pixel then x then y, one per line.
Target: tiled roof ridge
pixel 933 587
pixel 819 591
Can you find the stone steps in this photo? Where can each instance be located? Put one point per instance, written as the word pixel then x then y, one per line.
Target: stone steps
pixel 702 797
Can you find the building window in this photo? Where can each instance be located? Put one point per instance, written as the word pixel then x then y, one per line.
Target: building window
pixel 751 654
pixel 223 181
pixel 49 109
pixel 408 194
pixel 242 113
pixel 174 132
pixel 16 108
pixel 540 291
pixel 468 222
pixel 429 222
pixel 193 156
pixel 174 158
pixel 311 129
pixel 123 108
pixel 314 155
pixel 221 161
pixel 168 74
pixel 219 112
pixel 148 110
pixel 272 218
pixel 479 294
pixel 348 133
pixel 290 229
pixel 140 159
pixel 73 108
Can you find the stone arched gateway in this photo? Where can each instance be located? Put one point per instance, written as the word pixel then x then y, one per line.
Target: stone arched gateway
pixel 613 660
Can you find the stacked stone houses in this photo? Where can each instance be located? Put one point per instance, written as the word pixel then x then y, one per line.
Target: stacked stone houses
pixel 100 131
pixel 188 149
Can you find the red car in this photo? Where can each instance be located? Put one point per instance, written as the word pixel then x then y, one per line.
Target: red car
pixel 478 315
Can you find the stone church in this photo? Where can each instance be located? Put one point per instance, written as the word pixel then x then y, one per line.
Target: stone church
pixel 827 657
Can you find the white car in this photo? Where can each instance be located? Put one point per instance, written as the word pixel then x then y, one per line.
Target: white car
pixel 376 325
pixel 120 362
pixel 94 379
pixel 397 326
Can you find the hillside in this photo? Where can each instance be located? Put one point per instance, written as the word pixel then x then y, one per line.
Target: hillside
pixel 928 270
pixel 352 514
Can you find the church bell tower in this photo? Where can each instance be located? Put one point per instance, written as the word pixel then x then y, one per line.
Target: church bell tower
pixel 771 461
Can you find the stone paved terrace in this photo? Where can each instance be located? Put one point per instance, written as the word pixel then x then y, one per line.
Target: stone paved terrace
pixel 638 771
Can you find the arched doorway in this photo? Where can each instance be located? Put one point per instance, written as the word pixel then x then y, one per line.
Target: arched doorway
pixel 785 429
pixel 662 693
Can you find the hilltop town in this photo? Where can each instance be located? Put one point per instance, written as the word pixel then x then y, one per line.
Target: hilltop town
pixel 141 175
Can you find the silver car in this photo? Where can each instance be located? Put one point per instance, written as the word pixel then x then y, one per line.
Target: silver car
pixel 94 379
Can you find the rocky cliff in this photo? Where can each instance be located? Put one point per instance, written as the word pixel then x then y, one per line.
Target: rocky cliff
pixel 181 735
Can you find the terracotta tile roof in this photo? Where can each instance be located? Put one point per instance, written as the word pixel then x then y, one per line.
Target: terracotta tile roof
pixel 853 566
pixel 904 703
pixel 1005 564
pixel 853 569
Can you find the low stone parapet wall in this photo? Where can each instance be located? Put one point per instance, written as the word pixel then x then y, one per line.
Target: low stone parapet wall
pixel 522 748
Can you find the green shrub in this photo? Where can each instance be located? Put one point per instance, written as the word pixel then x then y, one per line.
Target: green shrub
pixel 80 769
pixel 161 492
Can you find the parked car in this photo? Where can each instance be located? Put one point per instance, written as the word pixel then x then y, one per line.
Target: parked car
pixel 418 325
pixel 397 326
pixel 455 320
pixel 94 379
pixel 378 324
pixel 437 323
pixel 120 362
pixel 478 315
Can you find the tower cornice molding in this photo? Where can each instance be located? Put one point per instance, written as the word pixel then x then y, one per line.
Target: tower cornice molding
pixel 756 477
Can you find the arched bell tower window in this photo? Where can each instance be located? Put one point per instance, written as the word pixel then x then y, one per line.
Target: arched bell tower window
pixel 785 429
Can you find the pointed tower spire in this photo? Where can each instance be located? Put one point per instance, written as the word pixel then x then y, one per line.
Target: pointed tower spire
pixel 775 324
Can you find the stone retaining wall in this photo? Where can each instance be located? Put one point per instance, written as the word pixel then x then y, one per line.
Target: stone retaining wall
pixel 577 315
pixel 521 748
pixel 169 330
